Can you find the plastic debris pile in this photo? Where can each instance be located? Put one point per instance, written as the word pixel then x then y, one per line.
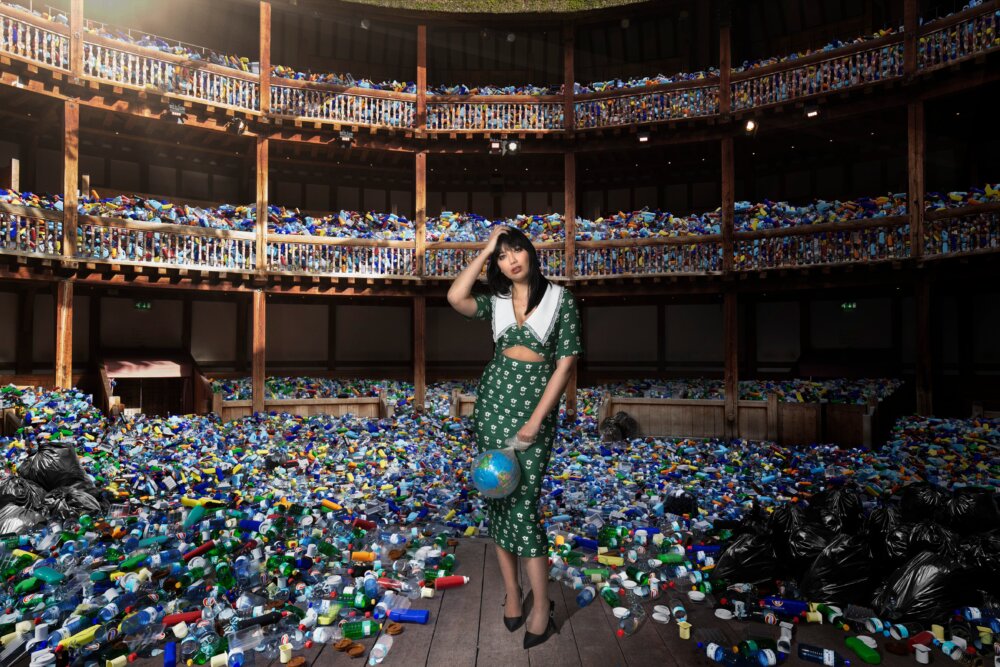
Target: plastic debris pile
pixel 472 228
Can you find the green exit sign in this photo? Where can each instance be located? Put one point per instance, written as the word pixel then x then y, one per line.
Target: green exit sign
pixel 143 305
pixel 849 306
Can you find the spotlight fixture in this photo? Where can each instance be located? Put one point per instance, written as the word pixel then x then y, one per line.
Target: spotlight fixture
pixel 511 147
pixel 751 127
pixel 625 23
pixel 643 137
pixel 177 112
pixel 812 110
pixel 346 138
pixel 365 24
pixel 495 147
pixel 236 126
pixel 511 37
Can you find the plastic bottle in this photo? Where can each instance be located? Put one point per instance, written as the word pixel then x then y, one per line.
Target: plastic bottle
pixel 677 609
pixel 585 596
pixel 361 629
pixel 380 650
pixel 865 652
pixel 821 656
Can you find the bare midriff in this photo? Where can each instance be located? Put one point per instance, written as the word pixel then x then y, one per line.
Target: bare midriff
pixel 522 353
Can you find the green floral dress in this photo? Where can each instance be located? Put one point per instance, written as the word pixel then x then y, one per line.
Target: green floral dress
pixel 508 393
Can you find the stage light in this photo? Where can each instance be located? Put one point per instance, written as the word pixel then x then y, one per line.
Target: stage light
pixel 495 147
pixel 643 137
pixel 236 126
pixel 511 37
pixel 751 126
pixel 365 24
pixel 511 146
pixel 177 112
pixel 812 111
pixel 346 138
pixel 625 23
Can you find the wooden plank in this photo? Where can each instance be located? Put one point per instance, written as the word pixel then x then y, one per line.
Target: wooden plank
pixel 421 77
pixel 497 646
pixel 259 343
pixel 71 168
pixel 265 56
pixel 420 208
pixel 560 650
pixel 262 146
pixel 413 645
pixel 64 335
pixel 645 647
pixel 456 633
pixel 76 39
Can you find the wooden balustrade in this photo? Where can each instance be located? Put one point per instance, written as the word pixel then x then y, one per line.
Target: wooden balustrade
pixel 157 244
pixel 355 106
pixel 34 39
pixel 964 35
pixel 960 231
pixel 30 231
pixel 672 101
pixel 646 257
pixel 495 112
pixel 146 69
pixel 315 255
pixel 866 241
pixel 446 259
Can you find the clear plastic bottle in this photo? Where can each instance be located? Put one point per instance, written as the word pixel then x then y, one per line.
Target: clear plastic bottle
pixel 380 650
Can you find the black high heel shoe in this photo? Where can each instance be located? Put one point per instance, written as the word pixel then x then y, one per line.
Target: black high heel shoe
pixel 512 623
pixel 531 639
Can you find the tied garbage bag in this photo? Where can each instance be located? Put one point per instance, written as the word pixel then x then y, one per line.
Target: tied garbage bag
pixel 981 554
pixel 922 501
pixel 69 502
pixel 933 537
pixel 749 559
pixel 628 425
pixel 16 519
pixel 16 490
pixel 611 431
pixel 971 510
pixel 842 573
pixel 806 542
pixel 888 538
pixel 680 502
pixel 52 466
pixel 838 510
pixel 929 586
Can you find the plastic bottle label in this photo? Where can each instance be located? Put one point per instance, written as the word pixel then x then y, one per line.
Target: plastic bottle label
pixel 710 651
pixel 829 657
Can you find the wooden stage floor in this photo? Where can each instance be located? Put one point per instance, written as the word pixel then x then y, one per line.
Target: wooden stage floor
pixel 466 630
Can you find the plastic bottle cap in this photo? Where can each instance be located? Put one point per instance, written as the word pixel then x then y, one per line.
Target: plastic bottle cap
pixel 660 617
pixel 696 596
pixel 620 612
pixel 868 641
pixel 724 614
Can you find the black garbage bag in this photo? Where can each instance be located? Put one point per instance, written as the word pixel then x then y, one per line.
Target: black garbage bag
pixel 69 502
pixel 981 556
pixel 17 519
pixel 628 425
pixel 933 537
pixel 842 573
pixel 679 501
pixel 838 510
pixel 16 490
pixel 611 431
pixel 927 587
pixel 750 559
pixel 806 543
pixel 882 519
pixel 753 521
pixel 970 511
pixel 52 466
pixel 784 519
pixel 922 501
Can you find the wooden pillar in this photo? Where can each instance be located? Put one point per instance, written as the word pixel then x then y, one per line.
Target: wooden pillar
pixel 730 346
pixel 10 176
pixel 25 350
pixel 922 300
pixel 64 334
pixel 569 77
pixel 259 345
pixel 76 39
pixel 261 226
pixel 94 339
pixel 728 203
pixel 420 207
pixel 265 56
pixel 725 61
pixel 242 313
pixel 331 336
pixel 421 77
pixel 569 206
pixel 71 170
pixel 911 33
pixel 419 352
pixel 915 168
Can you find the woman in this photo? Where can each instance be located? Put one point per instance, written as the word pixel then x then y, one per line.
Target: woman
pixel 536 331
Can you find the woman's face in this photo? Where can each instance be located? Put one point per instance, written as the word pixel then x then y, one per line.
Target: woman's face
pixel 514 263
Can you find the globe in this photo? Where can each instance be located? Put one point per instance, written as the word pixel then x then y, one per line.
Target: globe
pixel 496 473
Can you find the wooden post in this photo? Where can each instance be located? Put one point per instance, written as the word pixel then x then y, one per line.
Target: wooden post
pixel 419 352
pixel 64 334
pixel 924 371
pixel 420 207
pixel 76 39
pixel 725 62
pixel 25 349
pixel 728 203
pixel 242 308
pixel 10 176
pixel 265 56
pixel 730 346
pixel 569 206
pixel 915 168
pixel 421 77
pixel 71 170
pixel 331 336
pixel 261 227
pixel 911 33
pixel 569 77
pixel 259 345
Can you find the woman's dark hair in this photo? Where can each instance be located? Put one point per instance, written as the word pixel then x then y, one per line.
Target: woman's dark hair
pixel 500 285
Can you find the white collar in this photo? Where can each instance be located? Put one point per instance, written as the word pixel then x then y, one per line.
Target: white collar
pixel 541 322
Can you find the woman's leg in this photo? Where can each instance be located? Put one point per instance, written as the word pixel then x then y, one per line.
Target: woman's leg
pixel 538 574
pixel 508 568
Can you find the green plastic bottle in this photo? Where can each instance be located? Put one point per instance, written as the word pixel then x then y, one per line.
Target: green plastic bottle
pixel 863 651
pixel 361 629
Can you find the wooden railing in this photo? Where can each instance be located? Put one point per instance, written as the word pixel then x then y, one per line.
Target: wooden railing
pixel 962 231
pixel 148 69
pixel 315 255
pixel 959 37
pixel 445 259
pixel 155 244
pixel 667 102
pixel 497 112
pixel 866 241
pixel 646 257
pixel 30 231
pixel 31 38
pixel 355 106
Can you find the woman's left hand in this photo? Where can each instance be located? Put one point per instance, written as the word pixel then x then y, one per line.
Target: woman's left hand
pixel 528 433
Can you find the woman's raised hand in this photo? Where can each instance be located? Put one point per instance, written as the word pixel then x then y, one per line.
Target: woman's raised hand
pixel 491 244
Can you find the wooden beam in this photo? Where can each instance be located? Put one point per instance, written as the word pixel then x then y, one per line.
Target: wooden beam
pixel 261 226
pixel 331 336
pixel 64 335
pixel 76 39
pixel 728 203
pixel 25 348
pixel 71 170
pixel 569 76
pixel 259 345
pixel 421 77
pixel 419 352
pixel 265 56
pixel 420 208
pixel 731 346
pixel 911 33
pixel 924 371
pixel 569 206
pixel 915 138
